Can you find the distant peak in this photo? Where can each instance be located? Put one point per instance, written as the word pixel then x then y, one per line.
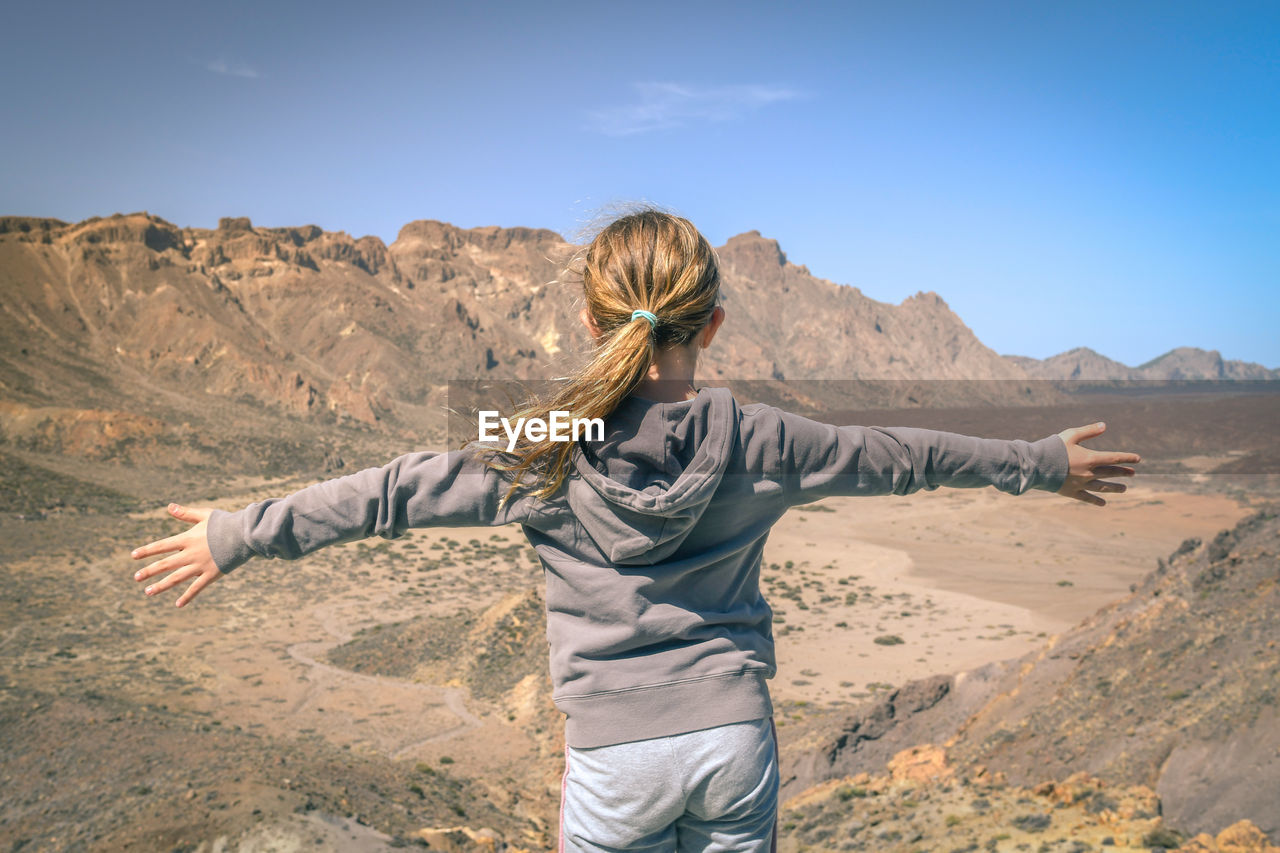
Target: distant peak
pixel 750 244
pixel 1184 354
pixel 926 297
pixel 27 224
pixel 1192 351
pixel 435 232
pixel 1082 352
pixel 231 224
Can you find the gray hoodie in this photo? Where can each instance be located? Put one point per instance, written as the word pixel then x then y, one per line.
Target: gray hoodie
pixel 652 548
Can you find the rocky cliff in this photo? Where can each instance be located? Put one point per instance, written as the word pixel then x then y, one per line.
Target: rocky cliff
pixel 131 313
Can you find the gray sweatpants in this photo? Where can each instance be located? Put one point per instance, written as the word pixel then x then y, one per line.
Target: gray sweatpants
pixel 709 790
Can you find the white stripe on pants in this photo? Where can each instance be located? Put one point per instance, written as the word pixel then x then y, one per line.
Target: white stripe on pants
pixel 713 791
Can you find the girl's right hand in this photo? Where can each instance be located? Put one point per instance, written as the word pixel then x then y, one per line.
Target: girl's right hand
pixel 1086 466
pixel 189 556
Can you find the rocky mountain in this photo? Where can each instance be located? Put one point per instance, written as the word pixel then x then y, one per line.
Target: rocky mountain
pixel 1078 363
pixel 921 803
pixel 1183 363
pixel 1194 363
pixel 1174 688
pixel 139 326
pixel 293 318
pixel 784 323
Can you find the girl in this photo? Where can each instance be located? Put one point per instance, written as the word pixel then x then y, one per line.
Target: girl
pixel 651 540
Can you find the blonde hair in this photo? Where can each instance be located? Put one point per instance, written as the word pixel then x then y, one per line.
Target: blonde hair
pixel 645 261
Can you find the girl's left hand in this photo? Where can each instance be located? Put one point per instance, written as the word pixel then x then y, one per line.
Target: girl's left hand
pixel 1086 466
pixel 189 556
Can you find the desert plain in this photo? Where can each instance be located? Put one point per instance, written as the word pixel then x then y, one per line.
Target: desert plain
pixel 382 694
pixel 938 653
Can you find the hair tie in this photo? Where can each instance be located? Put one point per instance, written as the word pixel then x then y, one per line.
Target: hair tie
pixel 652 318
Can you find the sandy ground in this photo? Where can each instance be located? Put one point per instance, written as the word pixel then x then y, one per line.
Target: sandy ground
pixel 256 652
pixel 959 577
pixel 879 591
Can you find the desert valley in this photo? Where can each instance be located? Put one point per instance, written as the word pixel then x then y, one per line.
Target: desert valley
pixel 958 669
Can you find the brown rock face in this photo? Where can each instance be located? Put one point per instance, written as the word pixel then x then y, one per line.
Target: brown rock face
pixel 132 313
pixel 1174 687
pixel 783 323
pixel 925 763
pixel 120 313
pixel 78 432
pixel 1240 837
pixel 298 320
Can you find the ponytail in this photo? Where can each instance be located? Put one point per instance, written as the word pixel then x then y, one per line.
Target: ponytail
pixel 650 282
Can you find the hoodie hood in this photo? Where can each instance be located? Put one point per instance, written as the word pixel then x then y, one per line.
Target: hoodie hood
pixel 643 488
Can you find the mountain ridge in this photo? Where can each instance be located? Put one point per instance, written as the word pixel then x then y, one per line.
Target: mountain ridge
pixel 133 314
pixel 1178 364
pixel 119 312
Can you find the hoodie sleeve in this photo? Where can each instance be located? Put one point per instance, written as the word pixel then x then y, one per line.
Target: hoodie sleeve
pixel 422 489
pixel 820 460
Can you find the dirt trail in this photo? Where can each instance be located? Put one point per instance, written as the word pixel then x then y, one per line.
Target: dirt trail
pixel 326 679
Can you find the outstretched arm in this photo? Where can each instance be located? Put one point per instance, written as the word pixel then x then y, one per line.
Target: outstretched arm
pixel 423 489
pixel 819 460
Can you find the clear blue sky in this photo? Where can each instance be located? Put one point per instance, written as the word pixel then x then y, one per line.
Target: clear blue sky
pixel 1064 174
